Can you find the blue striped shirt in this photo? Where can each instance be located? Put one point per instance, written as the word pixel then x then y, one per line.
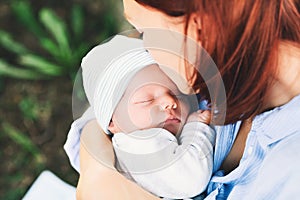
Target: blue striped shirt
pixel 270 165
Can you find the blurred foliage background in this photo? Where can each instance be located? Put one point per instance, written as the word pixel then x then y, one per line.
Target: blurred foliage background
pixel 41 47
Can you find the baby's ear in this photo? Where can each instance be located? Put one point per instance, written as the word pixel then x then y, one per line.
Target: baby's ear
pixel 112 127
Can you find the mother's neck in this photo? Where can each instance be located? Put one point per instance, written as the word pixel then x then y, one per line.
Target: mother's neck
pixel 287 78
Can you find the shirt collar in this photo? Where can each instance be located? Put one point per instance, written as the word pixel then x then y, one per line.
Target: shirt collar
pixel 278 123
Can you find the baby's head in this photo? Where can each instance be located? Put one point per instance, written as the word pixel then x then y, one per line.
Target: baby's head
pixel 128 91
pixel 151 100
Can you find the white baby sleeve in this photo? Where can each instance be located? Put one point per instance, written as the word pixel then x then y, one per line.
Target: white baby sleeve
pixel 164 167
pixel 73 140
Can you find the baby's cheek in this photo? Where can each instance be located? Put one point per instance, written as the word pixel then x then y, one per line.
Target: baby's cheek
pixel 156 117
pixel 140 118
pixel 185 109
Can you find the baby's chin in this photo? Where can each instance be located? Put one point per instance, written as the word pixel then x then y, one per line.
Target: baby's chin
pixel 175 129
pixel 174 125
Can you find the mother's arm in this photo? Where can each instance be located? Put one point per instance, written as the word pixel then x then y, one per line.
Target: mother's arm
pixel 98 178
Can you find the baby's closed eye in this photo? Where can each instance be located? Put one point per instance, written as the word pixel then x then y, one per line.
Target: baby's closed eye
pixel 143 101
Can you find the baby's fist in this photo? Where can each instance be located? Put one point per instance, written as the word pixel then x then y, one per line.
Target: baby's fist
pixel 200 116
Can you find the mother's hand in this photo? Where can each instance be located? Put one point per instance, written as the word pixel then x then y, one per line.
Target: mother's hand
pixel 98 177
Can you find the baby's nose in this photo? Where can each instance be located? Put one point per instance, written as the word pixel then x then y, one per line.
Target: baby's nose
pixel 168 102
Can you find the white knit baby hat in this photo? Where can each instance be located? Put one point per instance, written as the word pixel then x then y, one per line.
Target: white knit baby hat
pixel 107 70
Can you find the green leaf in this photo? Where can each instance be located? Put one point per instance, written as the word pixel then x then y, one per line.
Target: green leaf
pixel 25 15
pixel 56 26
pixel 41 64
pixel 55 51
pixel 77 21
pixel 10 44
pixel 81 50
pixel 29 109
pixel 21 139
pixel 14 72
pixel 50 47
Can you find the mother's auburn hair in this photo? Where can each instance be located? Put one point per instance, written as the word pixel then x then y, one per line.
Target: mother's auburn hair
pixel 242 38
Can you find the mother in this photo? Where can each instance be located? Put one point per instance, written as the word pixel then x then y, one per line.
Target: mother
pixel 256 47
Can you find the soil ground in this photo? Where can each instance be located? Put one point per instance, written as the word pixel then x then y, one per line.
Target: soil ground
pixel 35 116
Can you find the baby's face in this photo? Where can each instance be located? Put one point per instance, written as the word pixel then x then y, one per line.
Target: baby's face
pixel 151 100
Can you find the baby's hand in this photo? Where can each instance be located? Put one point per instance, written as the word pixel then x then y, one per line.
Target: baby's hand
pixel 200 116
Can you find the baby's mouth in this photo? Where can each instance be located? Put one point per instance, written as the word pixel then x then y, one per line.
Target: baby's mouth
pixel 172 124
pixel 172 120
